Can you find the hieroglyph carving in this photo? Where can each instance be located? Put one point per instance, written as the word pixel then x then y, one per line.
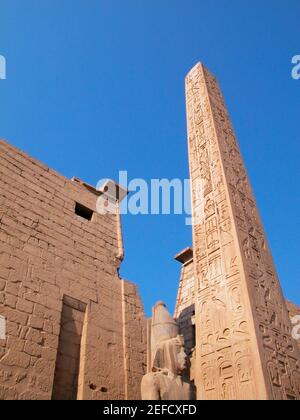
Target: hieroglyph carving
pixel 244 348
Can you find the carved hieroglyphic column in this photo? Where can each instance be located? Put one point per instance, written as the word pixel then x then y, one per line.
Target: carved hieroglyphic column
pixel 244 348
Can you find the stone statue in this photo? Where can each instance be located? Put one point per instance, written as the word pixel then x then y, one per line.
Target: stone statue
pixel 167 360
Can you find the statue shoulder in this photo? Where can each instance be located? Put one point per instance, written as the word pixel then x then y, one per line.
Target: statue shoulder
pixel 150 386
pixel 151 377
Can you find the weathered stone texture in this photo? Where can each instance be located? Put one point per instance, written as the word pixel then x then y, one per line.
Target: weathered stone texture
pixel 135 341
pixel 244 347
pixel 48 254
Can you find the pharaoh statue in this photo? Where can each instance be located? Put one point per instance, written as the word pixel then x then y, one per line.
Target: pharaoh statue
pixel 166 359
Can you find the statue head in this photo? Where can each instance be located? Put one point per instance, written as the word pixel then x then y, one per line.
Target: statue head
pixel 170 355
pixel 167 346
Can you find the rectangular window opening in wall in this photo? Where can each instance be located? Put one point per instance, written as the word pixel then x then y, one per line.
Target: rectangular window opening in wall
pixel 70 349
pixel 83 211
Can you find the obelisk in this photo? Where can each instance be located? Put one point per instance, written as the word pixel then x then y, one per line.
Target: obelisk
pixel 244 347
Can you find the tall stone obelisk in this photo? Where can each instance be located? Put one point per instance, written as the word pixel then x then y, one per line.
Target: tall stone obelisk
pixel 244 348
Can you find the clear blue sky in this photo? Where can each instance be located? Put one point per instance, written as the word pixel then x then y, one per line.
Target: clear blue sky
pixel 94 87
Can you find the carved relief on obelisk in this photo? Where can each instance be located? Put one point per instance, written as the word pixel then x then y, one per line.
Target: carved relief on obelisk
pixel 244 348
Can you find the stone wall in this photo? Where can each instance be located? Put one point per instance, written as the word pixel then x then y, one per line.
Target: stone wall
pixel 70 319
